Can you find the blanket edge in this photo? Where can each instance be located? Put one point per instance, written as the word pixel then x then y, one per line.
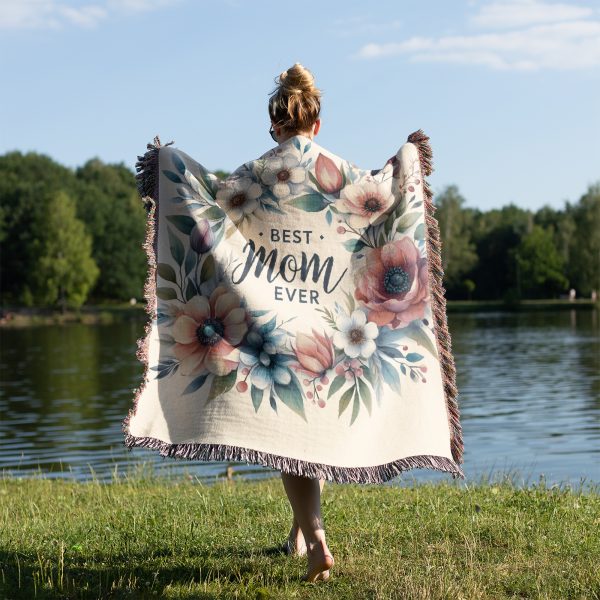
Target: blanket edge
pixel 436 274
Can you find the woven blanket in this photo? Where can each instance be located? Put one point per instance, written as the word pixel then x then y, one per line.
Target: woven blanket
pixel 296 315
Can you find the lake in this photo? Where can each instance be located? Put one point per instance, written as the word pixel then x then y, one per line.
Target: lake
pixel 529 395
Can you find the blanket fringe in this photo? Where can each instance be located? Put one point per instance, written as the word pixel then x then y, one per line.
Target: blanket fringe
pixel 436 273
pixel 224 453
pixel 147 185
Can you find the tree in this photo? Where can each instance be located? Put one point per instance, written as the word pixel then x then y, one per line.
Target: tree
pixel 26 183
pixel 110 206
pixel 584 249
pixel 458 251
pixel 541 267
pixel 65 270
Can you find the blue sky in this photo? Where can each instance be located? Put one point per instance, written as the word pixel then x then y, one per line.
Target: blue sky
pixel 507 90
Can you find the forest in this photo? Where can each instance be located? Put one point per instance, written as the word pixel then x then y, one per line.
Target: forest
pixel 71 237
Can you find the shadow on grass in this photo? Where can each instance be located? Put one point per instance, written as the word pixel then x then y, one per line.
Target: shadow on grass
pixel 29 576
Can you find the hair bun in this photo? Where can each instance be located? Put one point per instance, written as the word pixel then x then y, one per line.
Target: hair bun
pixel 296 102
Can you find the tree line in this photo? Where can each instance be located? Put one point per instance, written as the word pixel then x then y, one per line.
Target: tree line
pixel 74 236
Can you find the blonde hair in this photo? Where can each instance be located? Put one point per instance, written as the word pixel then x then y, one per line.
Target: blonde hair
pixel 295 104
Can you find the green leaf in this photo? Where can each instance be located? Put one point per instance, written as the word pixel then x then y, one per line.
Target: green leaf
pixel 172 176
pixel 354 245
pixel 214 213
pixel 345 400
pixel 179 164
pixel 195 384
pixel 389 222
pixel 291 395
pixel 176 246
pixel 220 385
pixel 184 223
pixel 190 290
pixel 336 385
pixel 414 357
pixel 365 394
pixel 351 303
pixel 407 220
pixel 417 334
pixel 166 272
pixel 355 408
pixel 309 202
pixel 191 258
pixel 420 232
pixel 257 397
pixel 166 293
pixel 208 268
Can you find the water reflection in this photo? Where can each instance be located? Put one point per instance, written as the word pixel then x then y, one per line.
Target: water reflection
pixel 529 388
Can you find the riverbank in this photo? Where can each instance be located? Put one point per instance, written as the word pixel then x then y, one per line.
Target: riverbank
pixel 111 313
pixel 152 537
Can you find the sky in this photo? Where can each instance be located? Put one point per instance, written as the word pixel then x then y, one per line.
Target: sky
pixel 507 90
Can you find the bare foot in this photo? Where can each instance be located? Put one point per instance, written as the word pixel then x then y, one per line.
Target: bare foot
pixel 320 560
pixel 295 544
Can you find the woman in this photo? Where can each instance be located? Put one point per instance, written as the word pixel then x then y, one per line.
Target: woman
pixel 294 108
pixel 300 318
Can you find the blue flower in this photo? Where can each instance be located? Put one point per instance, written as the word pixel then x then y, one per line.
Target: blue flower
pixel 262 353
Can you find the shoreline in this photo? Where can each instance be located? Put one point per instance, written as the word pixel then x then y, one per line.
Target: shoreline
pixel 102 314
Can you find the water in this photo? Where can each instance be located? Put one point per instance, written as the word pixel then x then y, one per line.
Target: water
pixel 529 388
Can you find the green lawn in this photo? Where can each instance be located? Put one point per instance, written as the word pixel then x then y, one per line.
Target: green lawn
pixel 146 536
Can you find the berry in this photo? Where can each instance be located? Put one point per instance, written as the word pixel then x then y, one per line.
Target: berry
pixel 241 386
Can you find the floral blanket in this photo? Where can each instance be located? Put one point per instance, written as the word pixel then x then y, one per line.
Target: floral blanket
pixel 297 317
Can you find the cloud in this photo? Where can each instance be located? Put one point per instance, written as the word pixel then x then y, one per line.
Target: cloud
pixel 56 14
pixel 540 36
pixel 520 13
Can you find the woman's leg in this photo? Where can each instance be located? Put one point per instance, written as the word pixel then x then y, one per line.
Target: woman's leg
pixel 305 497
pixel 295 536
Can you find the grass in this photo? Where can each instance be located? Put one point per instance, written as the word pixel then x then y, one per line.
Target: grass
pixel 147 536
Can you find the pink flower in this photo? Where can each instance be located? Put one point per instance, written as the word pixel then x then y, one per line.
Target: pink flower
pixel 328 175
pixel 365 202
pixel 315 354
pixel 207 331
pixel 394 284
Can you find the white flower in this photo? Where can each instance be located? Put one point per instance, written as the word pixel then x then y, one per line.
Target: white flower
pixel 355 336
pixel 239 198
pixel 284 174
pixel 365 202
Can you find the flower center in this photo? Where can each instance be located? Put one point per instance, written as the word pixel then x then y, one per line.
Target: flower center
pixel 210 332
pixel 396 281
pixel 238 200
pixel 356 335
pixel 372 204
pixel 283 175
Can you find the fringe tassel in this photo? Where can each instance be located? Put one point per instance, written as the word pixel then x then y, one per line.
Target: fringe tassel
pixel 225 453
pixel 436 273
pixel 147 185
